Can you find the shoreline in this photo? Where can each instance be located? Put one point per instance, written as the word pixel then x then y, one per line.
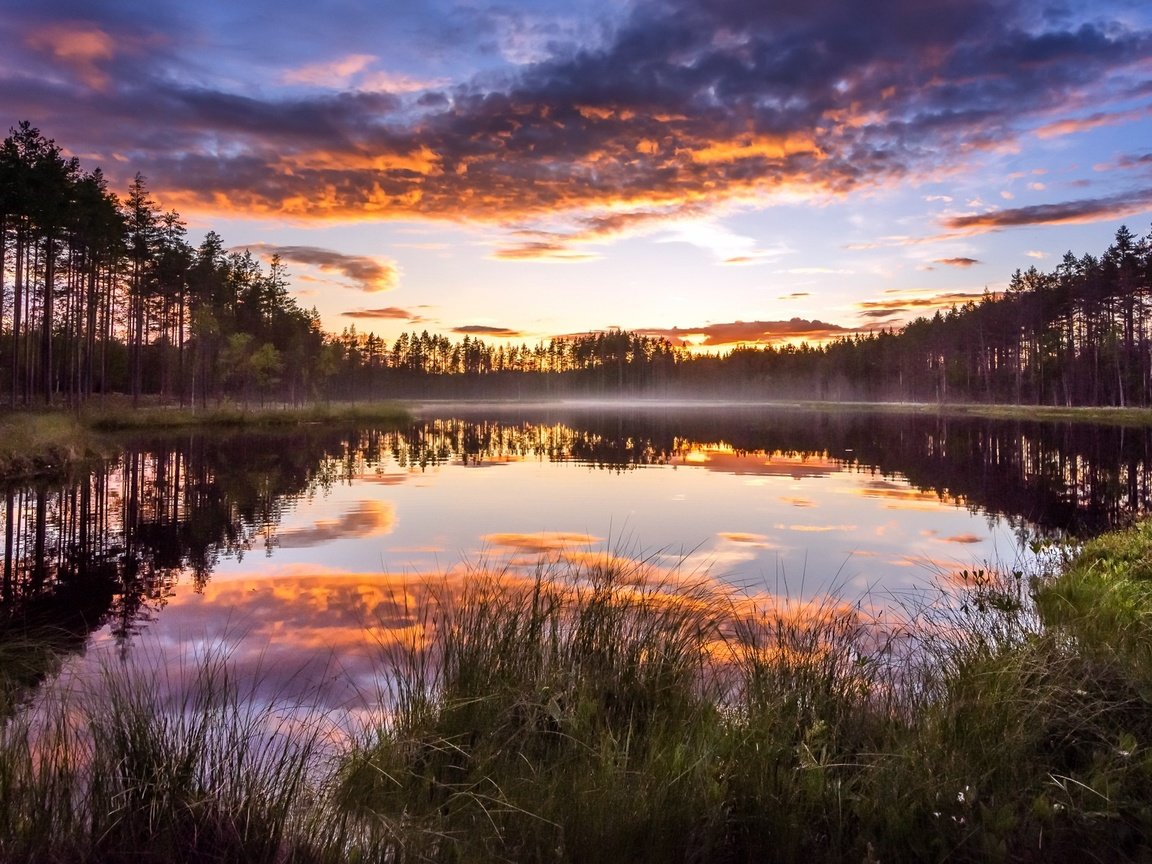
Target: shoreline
pixel 50 442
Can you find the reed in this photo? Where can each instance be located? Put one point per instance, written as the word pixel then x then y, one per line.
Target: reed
pixel 617 712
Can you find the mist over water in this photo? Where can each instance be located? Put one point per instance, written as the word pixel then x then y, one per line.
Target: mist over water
pixel 309 550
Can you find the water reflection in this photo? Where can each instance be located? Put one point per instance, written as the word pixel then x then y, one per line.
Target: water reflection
pixel 305 540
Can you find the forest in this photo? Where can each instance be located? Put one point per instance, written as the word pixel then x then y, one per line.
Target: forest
pixel 100 295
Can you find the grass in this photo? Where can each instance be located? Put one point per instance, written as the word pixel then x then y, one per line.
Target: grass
pixel 50 443
pixel 1099 415
pixel 605 712
pixel 118 414
pixel 43 443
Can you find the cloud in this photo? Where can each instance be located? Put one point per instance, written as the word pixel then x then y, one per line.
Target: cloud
pixel 388 312
pixel 366 273
pixel 738 332
pixel 1071 125
pixel 956 262
pixel 542 542
pixel 905 302
pixel 78 45
pixel 352 72
pixel 687 104
pixel 1084 210
pixel 746 538
pixel 366 519
pixel 486 330
pixel 331 73
pixel 542 250
pixel 965 539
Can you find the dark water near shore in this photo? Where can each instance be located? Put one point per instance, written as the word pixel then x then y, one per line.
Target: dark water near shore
pixel 316 546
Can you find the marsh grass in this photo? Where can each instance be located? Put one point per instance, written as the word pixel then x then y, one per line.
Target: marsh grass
pixel 564 714
pixel 618 712
pixel 51 443
pixel 43 442
pixel 153 766
pixel 119 415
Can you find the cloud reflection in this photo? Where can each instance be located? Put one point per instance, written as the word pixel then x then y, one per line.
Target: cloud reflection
pixel 367 519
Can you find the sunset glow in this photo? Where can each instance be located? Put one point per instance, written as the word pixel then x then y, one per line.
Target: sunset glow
pixel 523 171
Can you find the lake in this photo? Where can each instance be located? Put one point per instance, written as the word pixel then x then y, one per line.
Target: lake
pixel 307 553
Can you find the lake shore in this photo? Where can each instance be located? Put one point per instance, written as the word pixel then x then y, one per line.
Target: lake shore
pixel 1104 415
pixel 52 442
pixel 36 443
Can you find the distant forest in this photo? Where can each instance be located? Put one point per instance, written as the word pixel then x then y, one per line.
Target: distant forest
pixel 100 295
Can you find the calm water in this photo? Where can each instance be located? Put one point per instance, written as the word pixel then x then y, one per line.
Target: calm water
pixel 306 552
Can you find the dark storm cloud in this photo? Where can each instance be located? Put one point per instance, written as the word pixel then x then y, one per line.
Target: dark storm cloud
pixel 688 103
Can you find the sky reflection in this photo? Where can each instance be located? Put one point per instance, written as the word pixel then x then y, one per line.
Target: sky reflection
pixel 346 576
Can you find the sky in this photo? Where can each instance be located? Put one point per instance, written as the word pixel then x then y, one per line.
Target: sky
pixel 719 172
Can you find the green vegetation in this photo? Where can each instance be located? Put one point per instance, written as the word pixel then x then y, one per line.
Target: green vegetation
pixel 42 443
pixel 109 416
pixel 1096 415
pixel 52 442
pixel 608 713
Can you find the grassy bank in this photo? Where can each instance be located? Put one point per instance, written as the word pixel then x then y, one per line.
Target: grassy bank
pixel 36 443
pixel 42 443
pixel 1108 416
pixel 595 715
pixel 119 415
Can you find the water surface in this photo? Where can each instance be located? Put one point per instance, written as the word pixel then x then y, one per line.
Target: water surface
pixel 306 551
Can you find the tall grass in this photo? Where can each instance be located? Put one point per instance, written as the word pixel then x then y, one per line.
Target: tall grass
pixel 155 766
pixel 543 719
pixel 42 442
pixel 611 712
pixel 114 414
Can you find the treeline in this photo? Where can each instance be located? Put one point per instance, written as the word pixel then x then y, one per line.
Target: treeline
pixel 1080 335
pixel 99 295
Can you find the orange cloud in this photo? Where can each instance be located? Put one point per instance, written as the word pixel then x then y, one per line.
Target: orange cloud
pixel 541 542
pixel 367 519
pixel 365 272
pixel 914 301
pixel 758 332
pixel 541 250
pixel 333 73
pixel 488 330
pixel 387 312
pixel 961 538
pixel 745 538
pixel 1092 121
pixel 775 148
pixel 78 45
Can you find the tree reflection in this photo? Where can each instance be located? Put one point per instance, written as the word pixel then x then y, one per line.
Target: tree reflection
pixel 107 549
